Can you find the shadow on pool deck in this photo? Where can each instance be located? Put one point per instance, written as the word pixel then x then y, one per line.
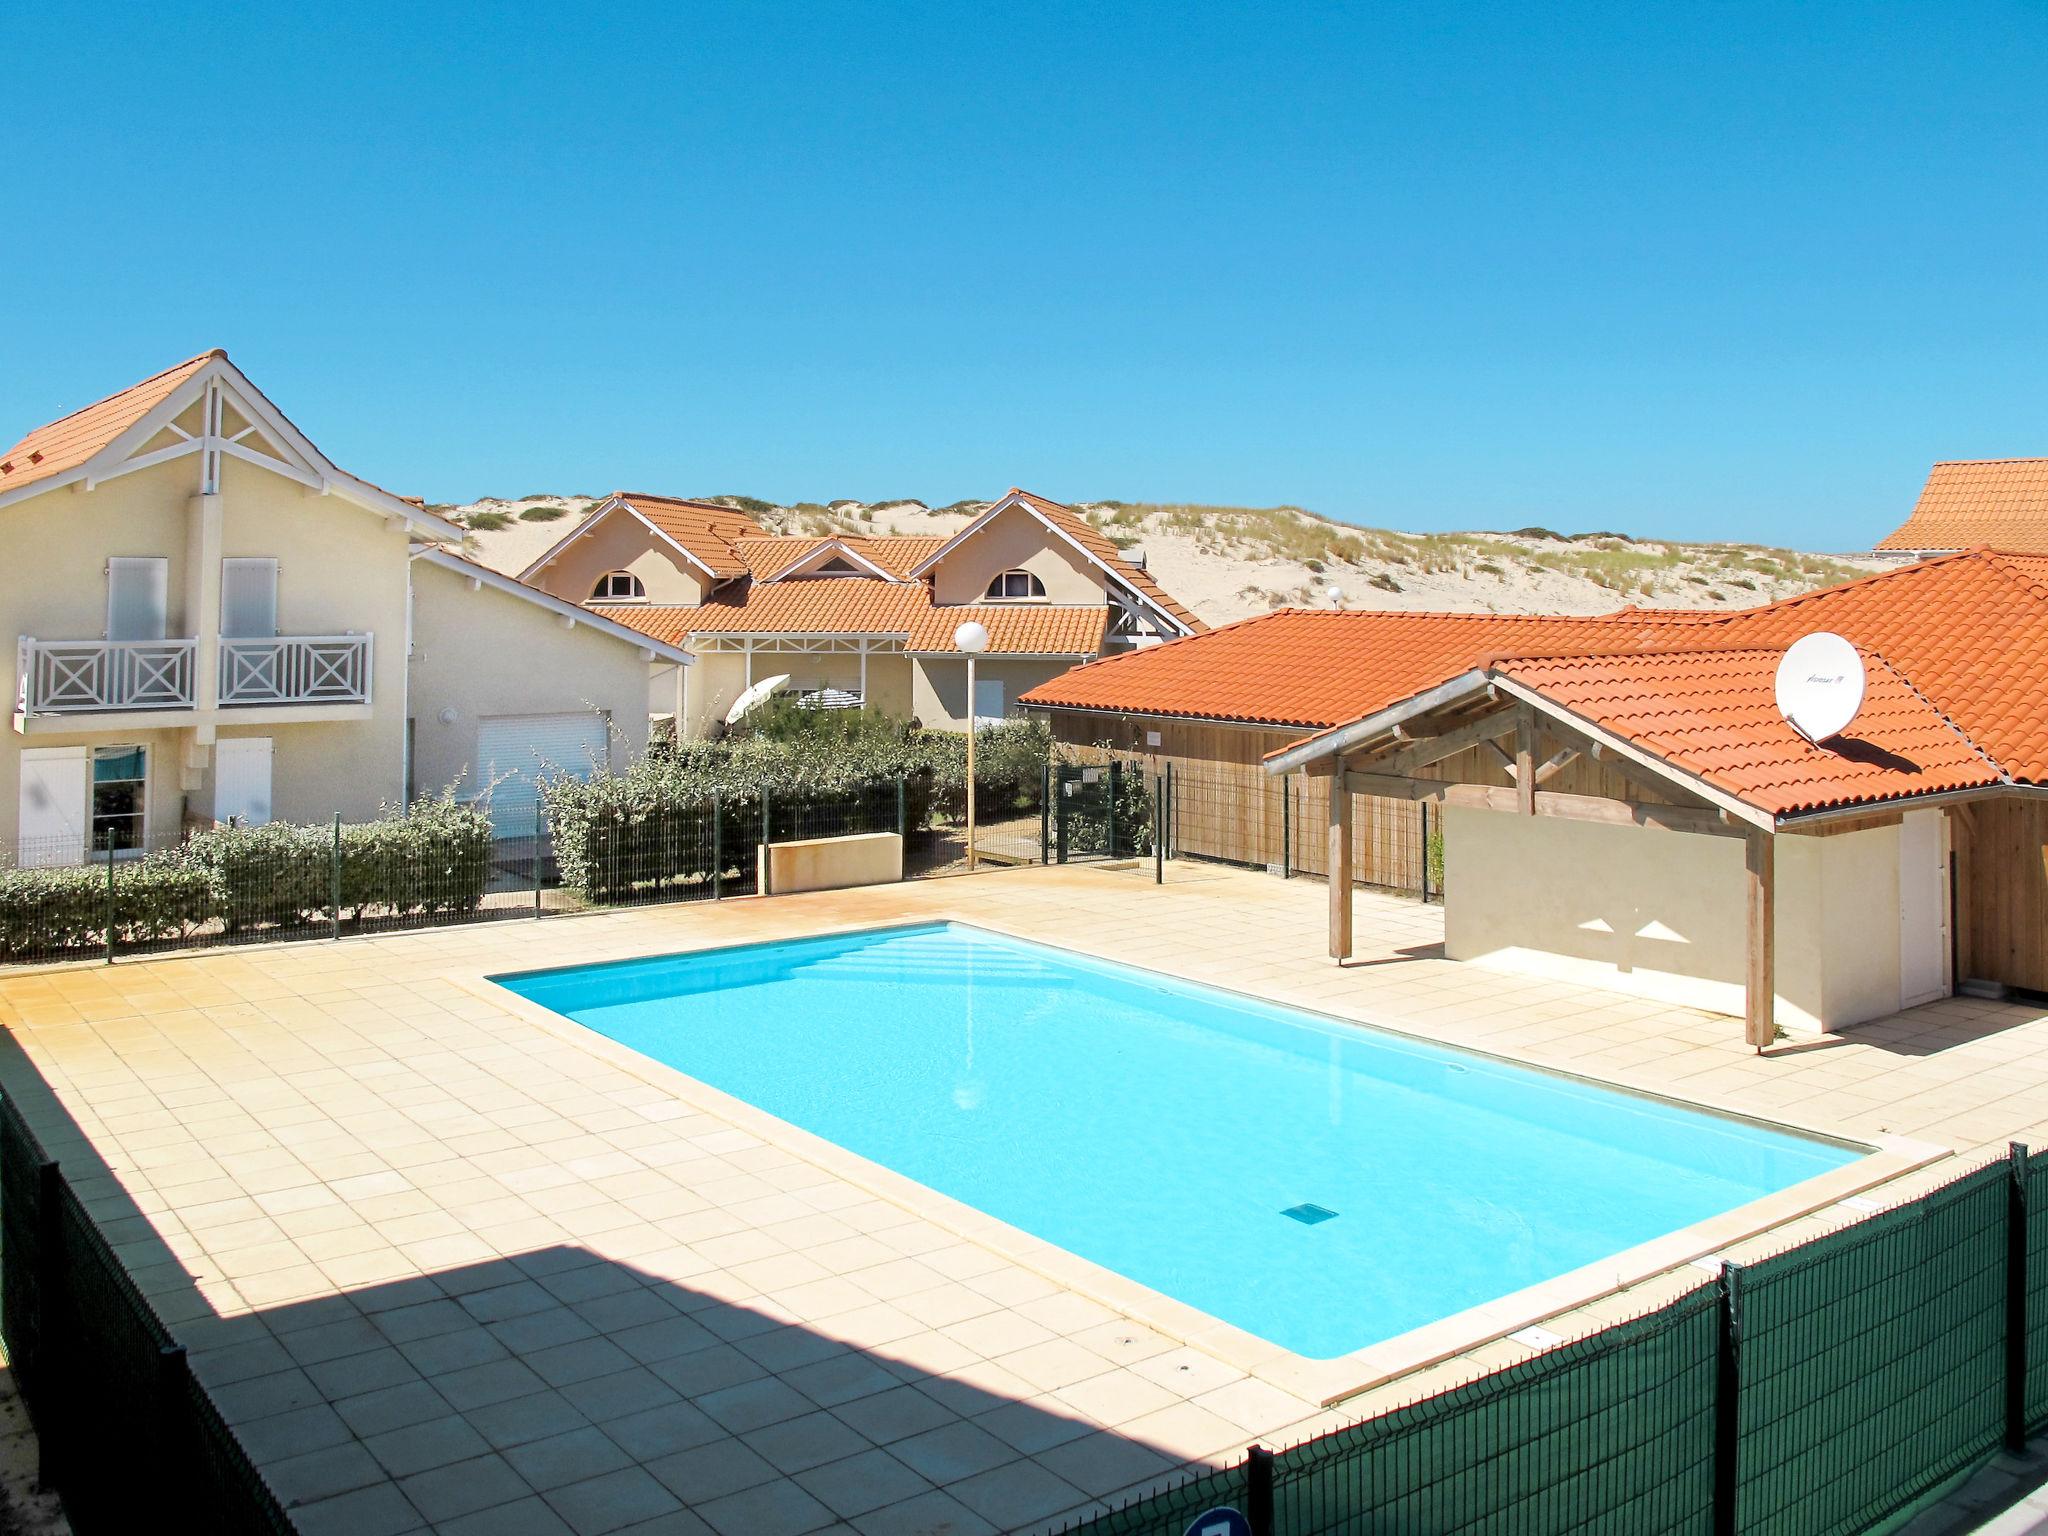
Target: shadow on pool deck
pixel 562 1391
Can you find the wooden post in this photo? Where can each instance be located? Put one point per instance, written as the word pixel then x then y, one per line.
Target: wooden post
pixel 1525 760
pixel 1339 867
pixel 1760 978
pixel 1962 837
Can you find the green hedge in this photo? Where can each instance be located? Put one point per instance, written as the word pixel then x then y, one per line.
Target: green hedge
pixel 637 832
pixel 433 860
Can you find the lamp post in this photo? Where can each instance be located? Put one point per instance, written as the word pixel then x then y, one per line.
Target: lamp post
pixel 971 638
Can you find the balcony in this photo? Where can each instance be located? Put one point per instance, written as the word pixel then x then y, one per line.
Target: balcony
pixel 121 677
pixel 295 669
pixel 84 677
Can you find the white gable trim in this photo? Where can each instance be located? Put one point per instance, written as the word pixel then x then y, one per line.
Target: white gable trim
pixel 606 508
pixel 575 613
pixel 1019 499
pixel 219 382
pixel 830 549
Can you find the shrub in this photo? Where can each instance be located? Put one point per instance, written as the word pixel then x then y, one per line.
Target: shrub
pixel 823 771
pixel 487 522
pixel 543 514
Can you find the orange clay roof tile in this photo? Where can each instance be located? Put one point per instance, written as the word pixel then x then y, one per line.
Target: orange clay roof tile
pixel 1098 544
pixel 1712 714
pixel 1966 503
pixel 858 605
pixel 707 530
pixel 72 440
pixel 769 556
pixel 1319 668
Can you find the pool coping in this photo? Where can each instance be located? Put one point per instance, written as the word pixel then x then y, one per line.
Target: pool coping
pixel 1326 1382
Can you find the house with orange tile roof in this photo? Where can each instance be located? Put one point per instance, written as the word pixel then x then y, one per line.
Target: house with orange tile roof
pixel 213 621
pixel 1976 504
pixel 845 619
pixel 1621 801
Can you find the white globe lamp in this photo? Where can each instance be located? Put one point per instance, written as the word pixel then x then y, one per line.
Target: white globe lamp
pixel 970 638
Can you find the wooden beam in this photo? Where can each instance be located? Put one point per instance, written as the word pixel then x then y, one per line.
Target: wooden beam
pixel 1525 760
pixel 1556 764
pixel 1962 840
pixel 1339 868
pixel 1760 970
pixel 1597 808
pixel 1449 744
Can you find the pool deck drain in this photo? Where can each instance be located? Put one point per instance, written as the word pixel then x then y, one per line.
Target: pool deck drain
pixel 443 1269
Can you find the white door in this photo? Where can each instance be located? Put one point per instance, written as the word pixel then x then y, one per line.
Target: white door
pixel 514 751
pixel 1923 907
pixel 241 780
pixel 988 701
pixel 53 807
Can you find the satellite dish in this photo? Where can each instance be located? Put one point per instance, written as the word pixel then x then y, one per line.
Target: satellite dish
pixel 1820 685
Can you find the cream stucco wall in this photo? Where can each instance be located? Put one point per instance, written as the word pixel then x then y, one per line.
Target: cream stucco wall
pixel 720 677
pixel 621 542
pixel 938 686
pixel 487 653
pixel 1662 915
pixel 1016 540
pixel 341 569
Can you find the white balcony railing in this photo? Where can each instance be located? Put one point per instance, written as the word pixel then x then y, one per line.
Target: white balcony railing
pixel 66 677
pixel 295 669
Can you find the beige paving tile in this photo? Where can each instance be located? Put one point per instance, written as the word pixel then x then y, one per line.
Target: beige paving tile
pixel 318 1127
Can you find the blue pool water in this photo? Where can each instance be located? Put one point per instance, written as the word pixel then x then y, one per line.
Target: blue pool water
pixel 1164 1129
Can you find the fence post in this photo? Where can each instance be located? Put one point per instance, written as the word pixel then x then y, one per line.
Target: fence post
pixel 2016 1302
pixel 717 849
pixel 1728 1401
pixel 539 823
pixel 1045 817
pixel 1171 809
pixel 1258 1490
pixel 1059 822
pixel 1115 783
pixel 1287 826
pixel 110 898
pixel 1158 832
pixel 902 811
pixel 334 881
pixel 763 879
pixel 48 1381
pixel 173 1413
pixel 1423 805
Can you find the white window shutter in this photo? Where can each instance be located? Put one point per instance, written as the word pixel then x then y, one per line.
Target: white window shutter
pixel 138 597
pixel 53 807
pixel 248 599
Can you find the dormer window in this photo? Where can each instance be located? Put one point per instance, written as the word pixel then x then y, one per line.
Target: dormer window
pixel 618 587
pixel 1014 586
pixel 836 567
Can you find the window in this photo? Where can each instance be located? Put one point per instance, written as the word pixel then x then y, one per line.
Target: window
pixel 248 598
pixel 137 597
pixel 119 795
pixel 618 587
pixel 1015 584
pixel 837 566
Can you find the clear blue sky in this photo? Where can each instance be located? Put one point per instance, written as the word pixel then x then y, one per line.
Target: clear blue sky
pixel 1729 271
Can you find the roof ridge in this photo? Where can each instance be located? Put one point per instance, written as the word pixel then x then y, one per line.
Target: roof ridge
pixel 2000 560
pixel 126 389
pixel 2028 458
pixel 1943 715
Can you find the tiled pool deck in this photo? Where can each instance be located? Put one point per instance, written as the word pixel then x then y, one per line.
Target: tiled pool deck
pixel 447 1268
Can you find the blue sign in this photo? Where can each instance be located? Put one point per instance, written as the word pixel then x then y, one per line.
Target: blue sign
pixel 1220 1522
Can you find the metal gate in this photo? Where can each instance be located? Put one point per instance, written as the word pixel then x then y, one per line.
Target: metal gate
pixel 1081 812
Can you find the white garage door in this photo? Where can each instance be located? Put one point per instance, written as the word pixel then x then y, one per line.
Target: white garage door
pixel 514 751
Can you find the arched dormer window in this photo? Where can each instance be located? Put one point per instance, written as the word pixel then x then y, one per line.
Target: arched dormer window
pixel 1014 586
pixel 618 587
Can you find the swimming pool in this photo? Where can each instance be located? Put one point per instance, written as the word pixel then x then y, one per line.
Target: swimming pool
pixel 1319 1184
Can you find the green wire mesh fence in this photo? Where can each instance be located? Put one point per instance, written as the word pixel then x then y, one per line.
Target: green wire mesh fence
pixel 126 1434
pixel 1820 1390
